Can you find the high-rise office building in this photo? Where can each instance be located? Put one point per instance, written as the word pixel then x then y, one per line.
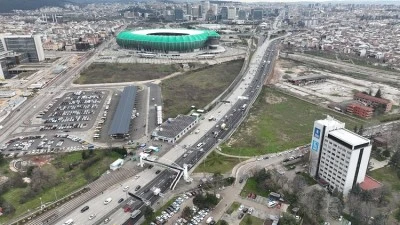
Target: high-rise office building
pixel 242 15
pixel 195 11
pixel 188 9
pixel 178 14
pixel 214 8
pixel 338 156
pixel 31 45
pixel 205 5
pixel 224 13
pixel 258 14
pixel 231 13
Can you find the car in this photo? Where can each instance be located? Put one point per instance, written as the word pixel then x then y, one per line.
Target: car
pixel 158 171
pixel 241 180
pixel 150 166
pixel 251 210
pixel 147 190
pixel 127 209
pixel 106 220
pixel 126 188
pixel 108 200
pixel 241 207
pixel 266 157
pixel 120 200
pixel 245 210
pixel 136 177
pixel 240 215
pixel 92 216
pixel 84 209
pixel 137 188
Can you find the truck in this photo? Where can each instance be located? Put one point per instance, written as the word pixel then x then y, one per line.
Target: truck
pixel 135 213
pixel 223 126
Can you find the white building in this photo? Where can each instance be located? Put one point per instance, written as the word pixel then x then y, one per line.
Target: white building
pixel 31 45
pixel 338 156
pixel 116 164
pixel 231 13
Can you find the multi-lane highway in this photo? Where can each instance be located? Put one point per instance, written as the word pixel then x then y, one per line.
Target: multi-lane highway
pixel 230 111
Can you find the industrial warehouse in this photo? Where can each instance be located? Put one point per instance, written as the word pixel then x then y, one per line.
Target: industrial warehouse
pixel 168 40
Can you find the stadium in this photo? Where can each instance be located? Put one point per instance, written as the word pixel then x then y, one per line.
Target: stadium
pixel 168 40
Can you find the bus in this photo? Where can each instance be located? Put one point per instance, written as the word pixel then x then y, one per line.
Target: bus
pixel 146 55
pixel 135 213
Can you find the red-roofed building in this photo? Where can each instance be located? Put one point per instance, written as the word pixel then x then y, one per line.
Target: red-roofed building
pixel 370 184
pixel 372 101
pixel 360 110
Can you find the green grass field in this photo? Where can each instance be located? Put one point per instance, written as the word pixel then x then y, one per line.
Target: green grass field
pixel 386 175
pixel 251 187
pixel 70 181
pixel 216 163
pixel 251 220
pixel 197 88
pixel 233 207
pixel 124 72
pixel 278 122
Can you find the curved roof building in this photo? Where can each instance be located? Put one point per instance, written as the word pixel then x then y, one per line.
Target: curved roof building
pixel 165 40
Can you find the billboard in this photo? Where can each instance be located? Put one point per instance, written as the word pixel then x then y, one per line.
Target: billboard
pixel 315 146
pixel 317 132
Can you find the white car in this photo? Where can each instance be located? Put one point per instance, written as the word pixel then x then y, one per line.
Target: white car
pixel 241 207
pixel 92 216
pixel 126 188
pixel 108 200
pixel 136 177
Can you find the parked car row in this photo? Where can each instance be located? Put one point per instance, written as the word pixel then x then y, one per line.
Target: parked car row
pixel 80 102
pixel 169 212
pixel 72 113
pixel 76 107
pixel 63 126
pixel 67 119
pixel 293 157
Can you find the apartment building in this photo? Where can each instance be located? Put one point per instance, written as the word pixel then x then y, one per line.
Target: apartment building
pixel 360 110
pixel 338 156
pixel 373 102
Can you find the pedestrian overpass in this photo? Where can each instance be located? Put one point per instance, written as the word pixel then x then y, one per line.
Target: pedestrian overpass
pixel 146 158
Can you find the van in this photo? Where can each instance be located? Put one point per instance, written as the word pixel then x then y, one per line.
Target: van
pixel 69 222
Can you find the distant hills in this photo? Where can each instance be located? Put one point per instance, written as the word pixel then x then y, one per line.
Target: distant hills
pixel 8 6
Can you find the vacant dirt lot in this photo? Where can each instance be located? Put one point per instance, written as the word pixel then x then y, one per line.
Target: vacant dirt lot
pixel 124 72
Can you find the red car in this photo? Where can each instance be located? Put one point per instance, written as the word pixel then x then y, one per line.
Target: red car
pixel 127 209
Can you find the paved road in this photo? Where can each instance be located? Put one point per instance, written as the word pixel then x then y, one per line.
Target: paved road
pixel 229 113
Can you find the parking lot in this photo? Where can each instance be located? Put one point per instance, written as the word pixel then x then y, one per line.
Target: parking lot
pixel 42 144
pixel 75 110
pixel 172 214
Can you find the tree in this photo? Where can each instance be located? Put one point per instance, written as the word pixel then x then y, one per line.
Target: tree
pixel 207 201
pixel 355 129
pixel 223 222
pixel 386 153
pixel 187 212
pixel 314 202
pixel 298 184
pixel 287 219
pixel 84 155
pixel 361 130
pixel 395 159
pixel 380 220
pixel 378 93
pixel 148 213
pixel 29 170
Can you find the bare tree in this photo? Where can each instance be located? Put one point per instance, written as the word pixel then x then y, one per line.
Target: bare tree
pixel 43 177
pixel 298 184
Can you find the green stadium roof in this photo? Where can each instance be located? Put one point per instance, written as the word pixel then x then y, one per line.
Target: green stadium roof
pixel 164 39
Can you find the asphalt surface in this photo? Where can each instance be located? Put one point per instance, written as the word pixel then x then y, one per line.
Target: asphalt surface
pixel 155 93
pixel 228 112
pixel 232 120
